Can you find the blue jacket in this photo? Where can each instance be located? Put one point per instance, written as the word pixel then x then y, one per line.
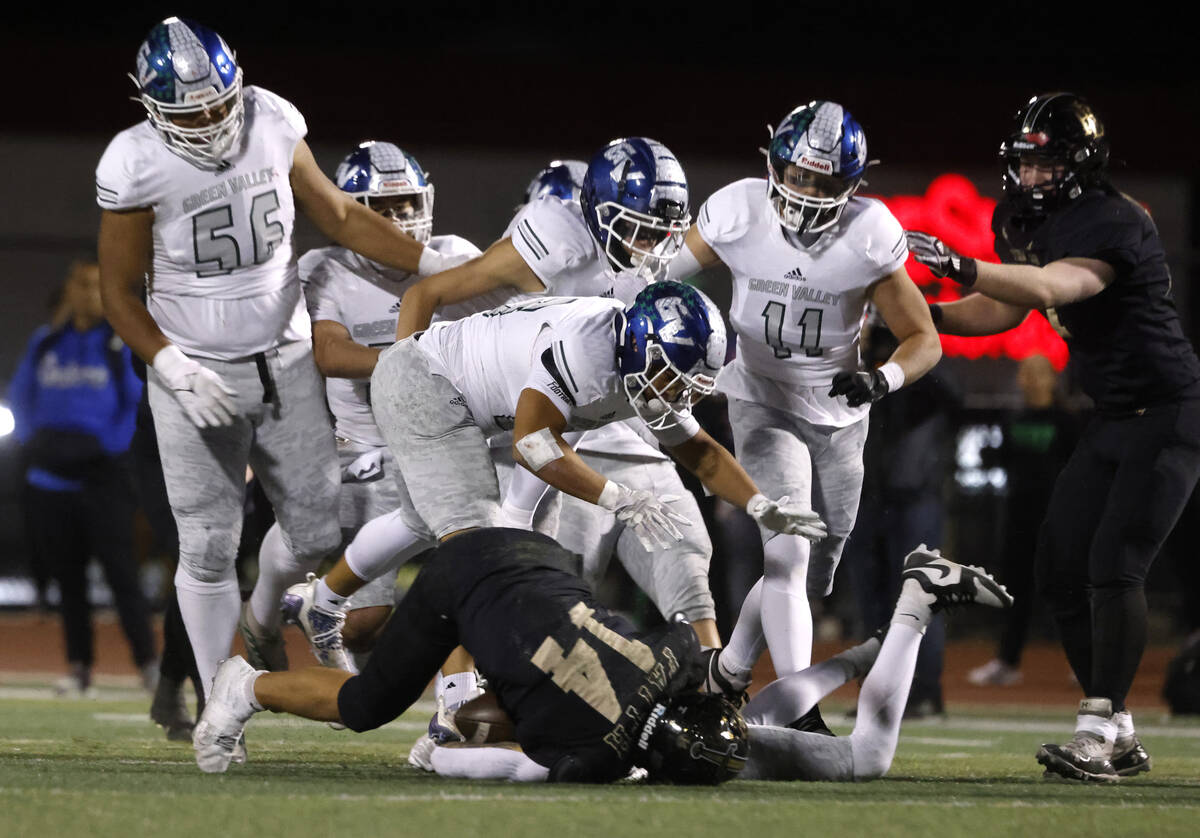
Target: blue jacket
pixel 73 385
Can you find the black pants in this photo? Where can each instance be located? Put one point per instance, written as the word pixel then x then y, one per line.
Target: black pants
pixel 71 527
pixel 1113 505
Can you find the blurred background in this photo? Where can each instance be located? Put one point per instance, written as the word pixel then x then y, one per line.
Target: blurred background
pixel 485 94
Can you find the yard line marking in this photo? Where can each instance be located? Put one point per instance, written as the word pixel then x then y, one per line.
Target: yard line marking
pixel 948 741
pixel 1061 727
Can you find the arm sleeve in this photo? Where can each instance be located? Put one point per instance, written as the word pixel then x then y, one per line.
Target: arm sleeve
pixel 550 240
pixel 487 763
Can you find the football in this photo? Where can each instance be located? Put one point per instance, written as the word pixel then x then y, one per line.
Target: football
pixel 481 720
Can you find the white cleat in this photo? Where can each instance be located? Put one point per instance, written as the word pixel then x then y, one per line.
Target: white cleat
pixel 421 753
pixel 219 737
pixel 322 627
pixel 951 583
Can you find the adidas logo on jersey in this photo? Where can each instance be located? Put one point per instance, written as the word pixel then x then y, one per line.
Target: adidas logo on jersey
pixel 795 274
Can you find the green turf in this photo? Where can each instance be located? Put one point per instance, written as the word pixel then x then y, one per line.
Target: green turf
pixel 98 768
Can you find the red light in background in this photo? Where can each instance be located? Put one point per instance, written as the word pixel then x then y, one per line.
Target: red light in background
pixel 953 210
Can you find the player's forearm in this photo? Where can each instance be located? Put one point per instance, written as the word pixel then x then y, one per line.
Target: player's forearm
pixel 917 354
pixel 1020 285
pixel 716 468
pixel 345 358
pixel 416 309
pixel 570 474
pixel 131 320
pixel 372 235
pixel 976 315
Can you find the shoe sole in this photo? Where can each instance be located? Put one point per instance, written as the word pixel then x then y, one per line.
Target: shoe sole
pixel 1133 770
pixel 1058 768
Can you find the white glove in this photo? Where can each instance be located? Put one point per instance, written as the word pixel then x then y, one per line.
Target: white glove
pixel 651 520
pixel 786 517
pixel 205 398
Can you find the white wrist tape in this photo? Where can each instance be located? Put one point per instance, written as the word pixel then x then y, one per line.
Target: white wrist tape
pixel 539 449
pixel 431 262
pixel 609 495
pixel 894 375
pixel 170 363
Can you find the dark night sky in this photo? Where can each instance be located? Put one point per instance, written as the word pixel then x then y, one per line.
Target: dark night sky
pixel 940 83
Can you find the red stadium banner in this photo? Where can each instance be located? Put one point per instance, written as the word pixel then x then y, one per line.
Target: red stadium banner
pixel 953 210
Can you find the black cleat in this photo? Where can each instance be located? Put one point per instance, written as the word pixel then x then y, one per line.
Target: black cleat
pixel 1129 757
pixel 717 683
pixel 811 722
pixel 1085 758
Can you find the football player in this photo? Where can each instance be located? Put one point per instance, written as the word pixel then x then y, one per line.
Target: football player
pixel 807 255
pixel 198 203
pixel 1090 260
pixel 588 697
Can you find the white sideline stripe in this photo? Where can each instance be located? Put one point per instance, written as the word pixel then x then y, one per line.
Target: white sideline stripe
pixel 1064 727
pixel 644 797
pixel 141 718
pixel 948 741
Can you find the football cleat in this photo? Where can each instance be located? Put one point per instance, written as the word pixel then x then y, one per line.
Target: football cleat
pixel 169 710
pixel 322 627
pixel 1084 758
pixel 264 648
pixel 812 722
pixel 951 583
pixel 718 682
pixel 441 726
pixel 1129 757
pixel 995 673
pixel 219 736
pixel 420 755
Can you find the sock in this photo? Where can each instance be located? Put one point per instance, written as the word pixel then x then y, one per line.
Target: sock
pixel 1125 730
pixel 325 598
pixel 786 615
pixel 278 569
pixel 384 543
pixel 914 607
pixel 458 689
pixel 210 614
pixel 1096 717
pixel 746 643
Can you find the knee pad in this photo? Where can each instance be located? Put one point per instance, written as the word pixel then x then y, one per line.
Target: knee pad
pixel 207 551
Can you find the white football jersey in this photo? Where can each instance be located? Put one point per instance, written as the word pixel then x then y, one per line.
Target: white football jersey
pixel 223 282
pixel 797 311
pixel 364 296
pixel 563 347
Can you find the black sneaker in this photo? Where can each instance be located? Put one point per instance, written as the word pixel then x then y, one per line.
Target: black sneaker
pixel 1084 758
pixel 1129 757
pixel 811 722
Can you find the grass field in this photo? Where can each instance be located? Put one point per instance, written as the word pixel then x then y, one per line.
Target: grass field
pixel 100 768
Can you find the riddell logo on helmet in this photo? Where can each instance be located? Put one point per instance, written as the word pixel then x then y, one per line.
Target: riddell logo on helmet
pixel 1038 138
pixel 815 164
pixel 395 184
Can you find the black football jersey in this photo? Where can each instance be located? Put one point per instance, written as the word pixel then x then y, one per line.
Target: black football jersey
pixel 577 680
pixel 1126 340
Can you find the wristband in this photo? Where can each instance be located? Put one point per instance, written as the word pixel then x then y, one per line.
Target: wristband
pixel 893 374
pixel 431 262
pixel 609 495
pixel 966 272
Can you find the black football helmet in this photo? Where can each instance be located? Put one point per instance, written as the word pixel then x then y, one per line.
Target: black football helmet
pixel 1062 130
pixel 697 739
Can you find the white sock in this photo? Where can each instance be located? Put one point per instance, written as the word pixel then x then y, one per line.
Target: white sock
pixel 1124 721
pixel 210 614
pixel 746 643
pixel 1096 717
pixel 786 615
pixel 383 544
pixel 458 689
pixel 914 607
pixel 882 700
pixel 325 598
pixel 250 696
pixel 278 569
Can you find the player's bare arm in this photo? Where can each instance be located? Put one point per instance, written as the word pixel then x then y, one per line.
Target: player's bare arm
pixel 906 314
pixel 348 222
pixel 338 355
pixel 125 246
pixel 976 315
pixel 716 468
pixel 500 266
pixel 538 445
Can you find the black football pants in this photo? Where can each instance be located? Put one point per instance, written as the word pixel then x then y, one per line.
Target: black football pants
pixel 1113 506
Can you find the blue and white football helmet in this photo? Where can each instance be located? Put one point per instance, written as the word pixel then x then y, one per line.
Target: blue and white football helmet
pixel 191 86
pixel 635 203
pixel 815 162
pixel 390 181
pixel 672 346
pixel 562 179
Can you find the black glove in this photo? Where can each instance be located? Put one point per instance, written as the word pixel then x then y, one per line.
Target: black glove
pixel 859 387
pixel 932 252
